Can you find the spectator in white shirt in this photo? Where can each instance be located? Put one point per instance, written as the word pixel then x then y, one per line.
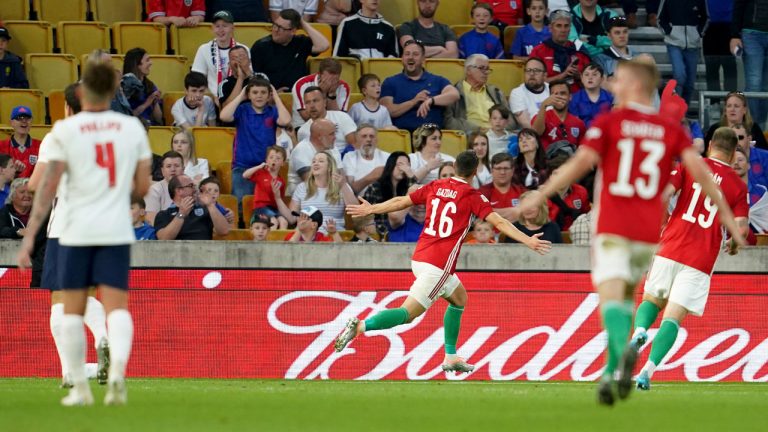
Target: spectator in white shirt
pixel 427 159
pixel 315 104
pixel 194 167
pixel 195 108
pixel 158 198
pixel 321 138
pixel 526 99
pixel 366 164
pixel 212 58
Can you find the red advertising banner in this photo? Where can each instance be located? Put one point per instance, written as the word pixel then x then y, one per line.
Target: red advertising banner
pixel 281 324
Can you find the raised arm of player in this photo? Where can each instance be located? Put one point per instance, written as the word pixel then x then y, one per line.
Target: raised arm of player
pixel 534 243
pixel 40 208
pixel 366 208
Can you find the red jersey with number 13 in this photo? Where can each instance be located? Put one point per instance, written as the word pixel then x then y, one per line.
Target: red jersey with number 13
pixel 452 206
pixel 694 233
pixel 637 149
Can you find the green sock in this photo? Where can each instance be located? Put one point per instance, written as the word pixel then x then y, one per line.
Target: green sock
pixel 664 340
pixel 387 318
pixel 646 314
pixel 451 324
pixel 617 320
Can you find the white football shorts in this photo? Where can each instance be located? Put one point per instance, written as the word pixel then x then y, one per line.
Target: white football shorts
pixel 616 257
pixel 431 282
pixel 679 283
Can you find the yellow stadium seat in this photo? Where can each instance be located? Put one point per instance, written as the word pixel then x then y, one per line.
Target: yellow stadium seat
pixel 10 98
pixel 279 235
pixel 287 99
pixel 214 143
pixel 509 36
pixel 111 11
pixel 346 235
pixel 248 33
pixel 170 98
pixel 186 40
pixel 117 60
pixel 355 98
pixel 451 69
pixel 168 72
pixel 762 239
pixel 235 235
pixel 392 140
pixel 453 142
pixel 350 69
pixel 56 109
pixel 5 132
pixel 15 10
pixel 38 131
pixel 398 11
pixel 160 138
pixel 49 72
pixel 450 12
pixel 82 37
pixel 326 31
pixel 247 210
pixel 224 174
pixel 30 37
pixel 383 67
pixel 230 202
pixel 507 74
pixel 55 11
pixel 566 235
pixel 460 29
pixel 150 36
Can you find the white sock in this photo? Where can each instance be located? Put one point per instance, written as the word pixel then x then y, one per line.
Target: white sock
pixel 57 312
pixel 120 325
pixel 650 368
pixel 638 331
pixel 73 346
pixel 95 319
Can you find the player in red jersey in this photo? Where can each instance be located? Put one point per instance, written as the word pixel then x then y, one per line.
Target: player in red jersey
pixel 678 280
pixel 634 149
pixel 452 206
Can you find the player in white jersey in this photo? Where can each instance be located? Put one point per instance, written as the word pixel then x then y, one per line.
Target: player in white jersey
pixel 95 318
pixel 107 160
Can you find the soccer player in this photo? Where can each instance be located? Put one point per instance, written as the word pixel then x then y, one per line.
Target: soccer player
pixel 452 205
pixel 678 280
pixel 95 317
pixel 106 157
pixel 634 149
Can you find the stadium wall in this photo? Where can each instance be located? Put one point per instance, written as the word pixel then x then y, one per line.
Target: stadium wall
pixel 245 310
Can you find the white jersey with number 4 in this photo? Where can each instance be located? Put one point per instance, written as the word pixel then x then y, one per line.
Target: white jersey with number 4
pixel 101 150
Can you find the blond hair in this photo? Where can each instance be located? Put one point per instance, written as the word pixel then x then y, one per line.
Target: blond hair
pixel 333 194
pixel 543 216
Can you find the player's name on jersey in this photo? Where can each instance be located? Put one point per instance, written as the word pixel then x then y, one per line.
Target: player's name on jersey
pixel 446 193
pixel 641 129
pixel 100 126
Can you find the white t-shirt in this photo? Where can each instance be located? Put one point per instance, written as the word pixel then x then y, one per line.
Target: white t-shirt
pixel 497 143
pixel 101 150
pixel 184 115
pixel 335 211
pixel 301 157
pixel 201 168
pixel 302 84
pixel 357 167
pixel 204 63
pixel 54 223
pixel 303 7
pixel 417 161
pixel 158 198
pixel 344 127
pixel 361 114
pixel 482 178
pixel 522 99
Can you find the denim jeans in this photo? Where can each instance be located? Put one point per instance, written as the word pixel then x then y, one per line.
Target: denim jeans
pixel 240 187
pixel 684 69
pixel 756 72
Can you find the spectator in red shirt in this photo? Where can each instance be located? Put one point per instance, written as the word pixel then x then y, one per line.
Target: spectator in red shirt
pixel 268 187
pixel 570 202
pixel 562 59
pixel 557 124
pixel 21 146
pixel 530 167
pixel 307 227
pixel 181 13
pixel 506 13
pixel 502 194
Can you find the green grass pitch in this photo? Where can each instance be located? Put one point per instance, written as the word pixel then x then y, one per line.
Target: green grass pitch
pixel 278 405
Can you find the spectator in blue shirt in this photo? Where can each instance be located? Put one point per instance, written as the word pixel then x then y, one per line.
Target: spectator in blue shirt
pixel 143 230
pixel 406 225
pixel 479 40
pixel 592 99
pixel 533 33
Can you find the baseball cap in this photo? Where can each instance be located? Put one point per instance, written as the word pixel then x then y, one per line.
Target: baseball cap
pixel 223 15
pixel 21 111
pixel 314 214
pixel 4 33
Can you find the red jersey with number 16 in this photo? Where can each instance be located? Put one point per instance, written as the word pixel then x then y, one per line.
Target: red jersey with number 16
pixel 637 149
pixel 694 233
pixel 452 206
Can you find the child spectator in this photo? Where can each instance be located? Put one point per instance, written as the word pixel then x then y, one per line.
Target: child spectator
pixel 478 142
pixel 446 170
pixel 195 108
pixel 211 186
pixel 143 95
pixel 482 233
pixel 498 135
pixel 364 228
pixel 533 33
pixel 269 187
pixel 260 228
pixel 184 144
pixel 7 174
pixel 479 40
pixel 186 13
pixel 536 221
pixel 592 99
pixel 307 227
pixel 369 110
pixel 143 230
pixel 507 12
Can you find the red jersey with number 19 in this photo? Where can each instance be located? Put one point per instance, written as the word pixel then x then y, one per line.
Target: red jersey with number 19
pixel 694 233
pixel 452 206
pixel 637 149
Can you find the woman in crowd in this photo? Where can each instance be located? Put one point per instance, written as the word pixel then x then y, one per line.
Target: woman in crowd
pixel 196 168
pixel 736 111
pixel 15 215
pixel 478 142
pixel 143 95
pixel 427 159
pixel 394 181
pixel 530 168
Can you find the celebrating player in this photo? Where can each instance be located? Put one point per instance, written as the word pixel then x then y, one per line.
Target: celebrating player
pixel 104 156
pixel 690 243
pixel 634 148
pixel 452 205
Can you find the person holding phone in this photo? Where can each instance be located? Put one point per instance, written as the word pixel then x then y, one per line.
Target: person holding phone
pixel 562 59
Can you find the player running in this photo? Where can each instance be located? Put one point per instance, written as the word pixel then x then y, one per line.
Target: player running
pixel 105 156
pixel 634 149
pixel 452 205
pixel 678 280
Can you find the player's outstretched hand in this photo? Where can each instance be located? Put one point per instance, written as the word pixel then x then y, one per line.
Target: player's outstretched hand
pixel 23 259
pixel 359 210
pixel 542 247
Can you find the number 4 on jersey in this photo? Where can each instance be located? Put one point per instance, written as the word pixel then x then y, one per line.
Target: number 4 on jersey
pixel 105 158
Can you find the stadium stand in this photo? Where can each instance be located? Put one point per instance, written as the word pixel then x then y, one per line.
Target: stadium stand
pixel 351 69
pixel 111 11
pixel 451 69
pixel 82 37
pixel 50 72
pixel 247 209
pixel 326 31
pixel 56 105
pixel 55 11
pixel 235 235
pixel 509 36
pixel 383 67
pixel 160 138
pixel 214 143
pixel 10 98
pixel 169 98
pixel 15 10
pixel 507 74
pixel 117 60
pixel 38 131
pixel 391 140
pixel 168 72
pixel 230 202
pixel 450 13
pixel 30 37
pixel 398 11
pixel 453 142
pixel 186 40
pixel 224 174
pixel 150 36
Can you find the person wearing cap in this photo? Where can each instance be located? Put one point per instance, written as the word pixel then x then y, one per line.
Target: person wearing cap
pixel 563 60
pixel 590 26
pixel 191 216
pixel 618 33
pixel 181 13
pixel 212 58
pixel 242 10
pixel 11 66
pixel 21 146
pixel 308 223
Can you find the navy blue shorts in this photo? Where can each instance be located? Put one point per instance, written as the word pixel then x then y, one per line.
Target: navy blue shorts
pixel 51 265
pixel 85 266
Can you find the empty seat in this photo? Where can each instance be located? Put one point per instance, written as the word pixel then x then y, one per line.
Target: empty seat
pixel 279 235
pixel 30 37
pixel 247 210
pixel 509 36
pixel 450 13
pixel 55 11
pixel 351 69
pixel 460 29
pixel 326 31
pixel 224 174
pixel 507 74
pixel 111 11
pixel 150 36
pixel 160 138
pixel 400 11
pixel 168 72
pixel 38 131
pixel 82 37
pixel 453 142
pixel 56 105
pixel 248 33
pixel 15 10
pixel 5 132
pixel 287 100
pixel 169 98
pixel 451 69
pixel 214 143
pixel 235 235
pixel 230 202
pixel 49 72
pixel 186 40
pixel 391 140
pixel 117 60
pixel 383 67
pixel 355 98
pixel 10 98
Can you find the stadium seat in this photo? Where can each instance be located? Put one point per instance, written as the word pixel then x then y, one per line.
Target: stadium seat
pixel 383 67
pixel 279 235
pixel 186 40
pixel 55 11
pixel 454 142
pixel 287 99
pixel 5 132
pixel 214 143
pixel 15 10
pixel 38 131
pixel 450 13
pixel 235 235
pixel 117 60
pixel 248 33
pixel 326 31
pixel 150 36
pixel 111 11
pixel 82 37
pixel 451 69
pixel 247 210
pixel 507 74
pixel 224 174
pixel 168 72
pixel 169 98
pixel 509 36
pixel 30 37
pixel 762 239
pixel 350 69
pixel 398 11
pixel 346 235
pixel 394 140
pixel 160 138
pixel 49 72
pixel 460 29
pixel 355 98
pixel 10 98
pixel 56 108
pixel 230 202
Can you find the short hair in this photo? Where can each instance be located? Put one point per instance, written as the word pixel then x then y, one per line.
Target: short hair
pixel 365 79
pixel 4 159
pixel 443 166
pixel 173 184
pixel 502 109
pixel 15 184
pixel 172 155
pixel 466 163
pixel 724 139
pixel 559 14
pixel 256 82
pixel 359 223
pixel 195 79
pixel 530 59
pixel 310 89
pixel 237 47
pixel 472 60
pixel 99 80
pixel 617 21
pixel 528 3
pixel 260 219
pixel 740 126
pixel 481 6
pixel 596 67
pixel 329 65
pixel 277 149
pixel 501 158
pixel 740 150
pixel 644 69
pixel 139 201
pixel 415 42
pixel 71 97
pixel 292 16
pixel 559 82
pixel 209 180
